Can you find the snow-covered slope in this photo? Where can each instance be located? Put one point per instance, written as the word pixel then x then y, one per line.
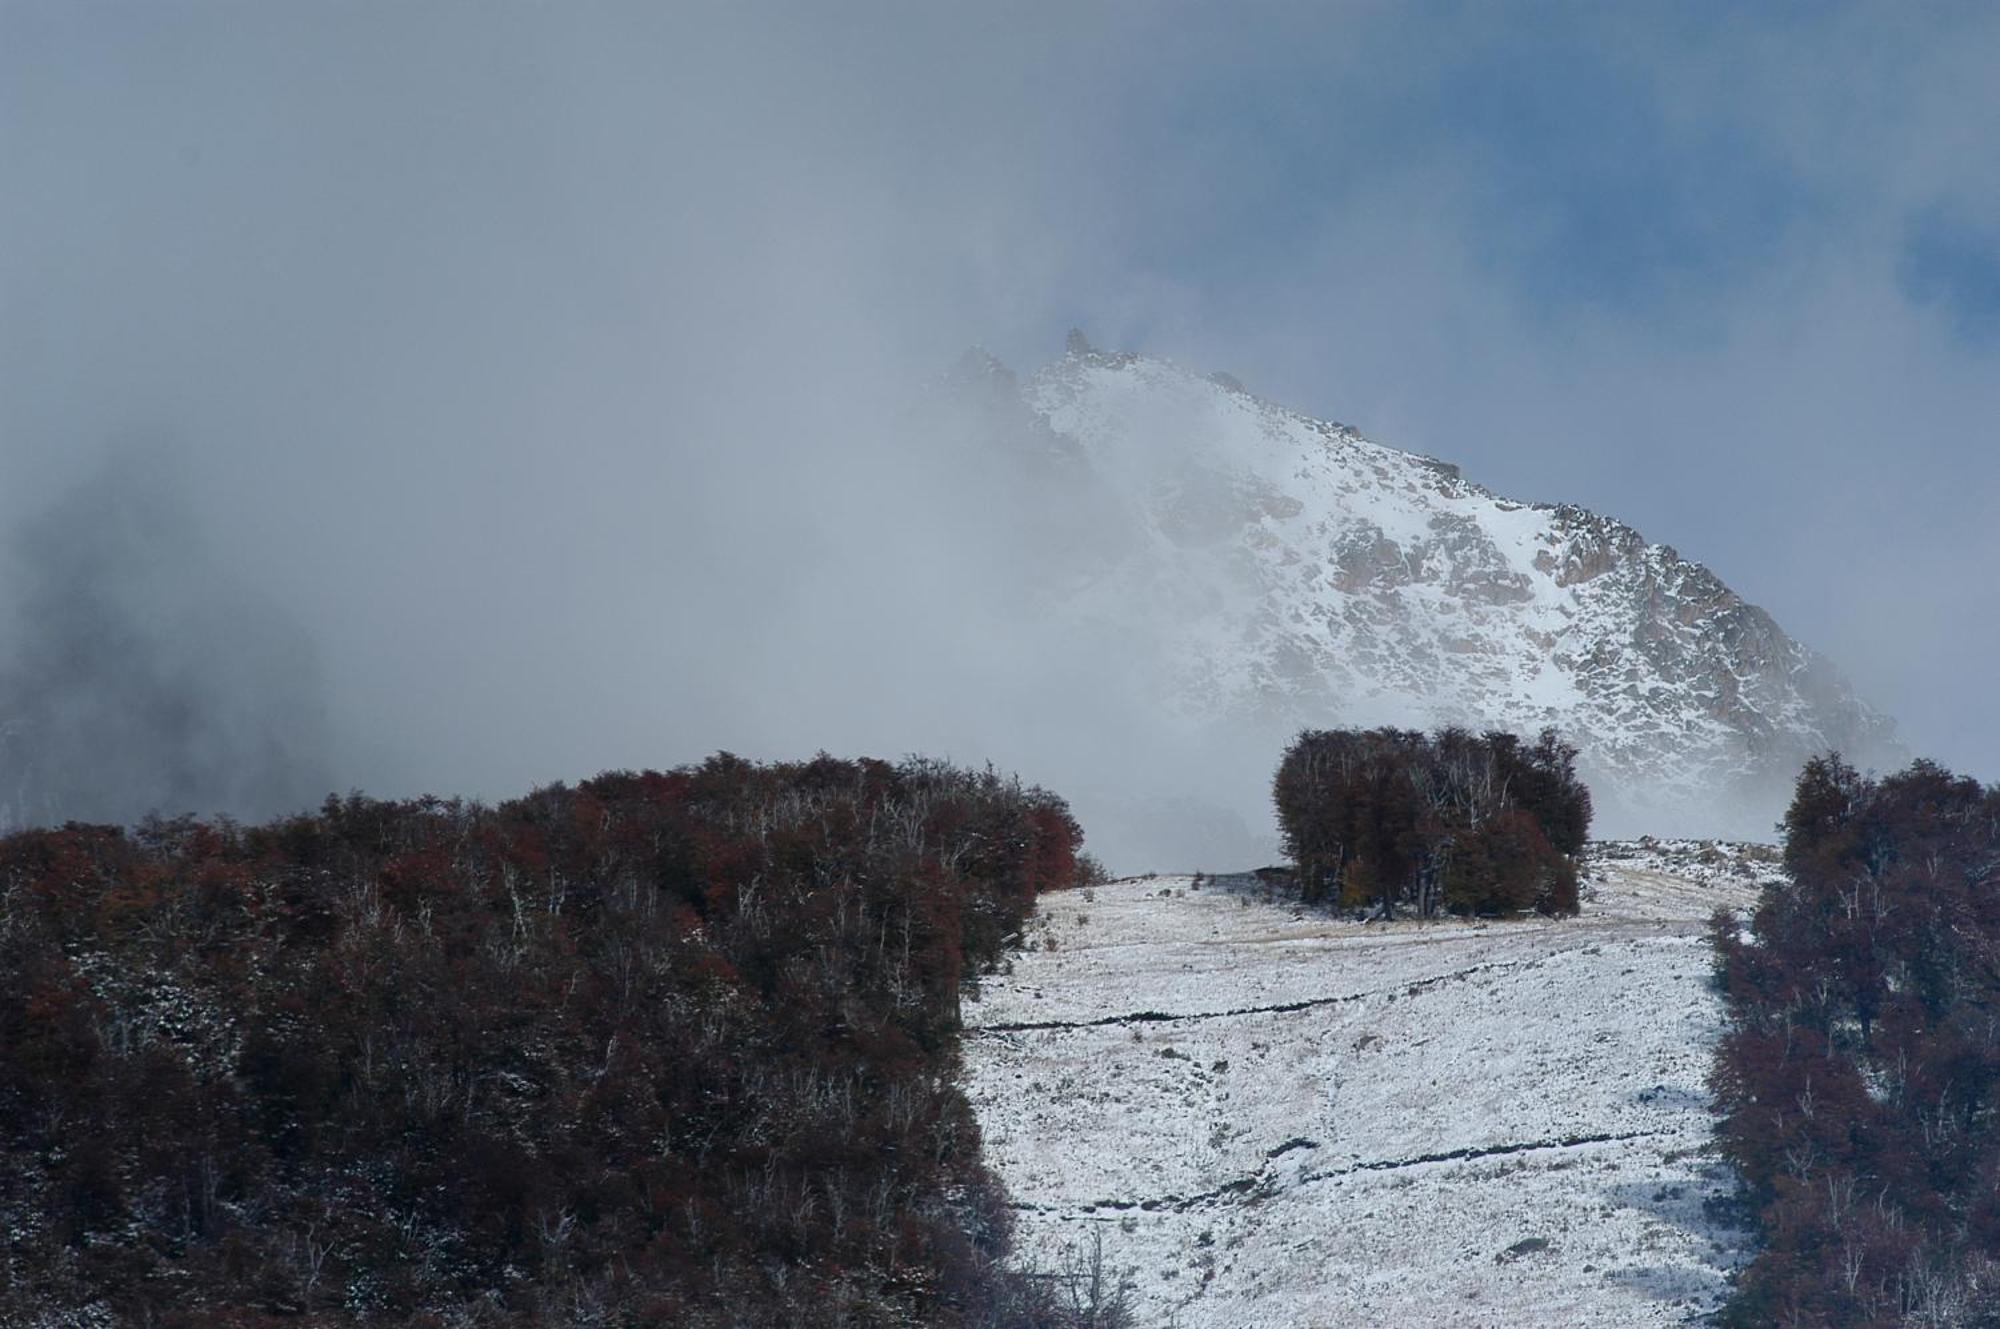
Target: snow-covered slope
pixel 1272 1118
pixel 1292 573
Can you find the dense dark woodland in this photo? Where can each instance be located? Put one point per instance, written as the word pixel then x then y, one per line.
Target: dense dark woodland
pixel 1470 824
pixel 1861 1070
pixel 661 1049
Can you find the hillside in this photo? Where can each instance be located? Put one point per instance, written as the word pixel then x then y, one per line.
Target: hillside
pixel 662 1048
pixel 1275 1118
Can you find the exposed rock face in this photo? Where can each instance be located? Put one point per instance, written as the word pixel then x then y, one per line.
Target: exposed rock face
pixel 1295 573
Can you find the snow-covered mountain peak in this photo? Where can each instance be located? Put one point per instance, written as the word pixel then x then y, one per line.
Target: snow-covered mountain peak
pixel 1301 574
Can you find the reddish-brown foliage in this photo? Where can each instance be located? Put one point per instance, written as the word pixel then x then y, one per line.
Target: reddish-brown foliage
pixel 670 1048
pixel 1394 818
pixel 1861 1070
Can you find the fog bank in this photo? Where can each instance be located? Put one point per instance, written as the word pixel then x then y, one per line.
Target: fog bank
pixel 544 386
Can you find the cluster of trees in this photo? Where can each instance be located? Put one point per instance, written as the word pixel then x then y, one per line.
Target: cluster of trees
pixel 1452 821
pixel 665 1049
pixel 1860 1072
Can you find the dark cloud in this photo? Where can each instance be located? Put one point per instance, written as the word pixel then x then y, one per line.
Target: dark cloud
pixel 141 677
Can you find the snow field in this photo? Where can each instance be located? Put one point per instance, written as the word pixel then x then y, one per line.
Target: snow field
pixel 1272 1117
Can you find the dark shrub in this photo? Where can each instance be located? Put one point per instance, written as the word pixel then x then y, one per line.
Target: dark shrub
pixel 1398 819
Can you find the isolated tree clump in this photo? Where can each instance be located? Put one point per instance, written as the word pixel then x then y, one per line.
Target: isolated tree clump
pixel 1446 822
pixel 1860 1072
pixel 661 1049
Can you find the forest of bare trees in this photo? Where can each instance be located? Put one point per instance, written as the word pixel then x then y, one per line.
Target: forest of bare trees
pixel 666 1048
pixel 1860 1074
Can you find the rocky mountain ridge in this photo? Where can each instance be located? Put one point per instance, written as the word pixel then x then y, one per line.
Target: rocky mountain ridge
pixel 1292 573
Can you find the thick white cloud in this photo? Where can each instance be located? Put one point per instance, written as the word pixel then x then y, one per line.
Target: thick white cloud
pixel 545 361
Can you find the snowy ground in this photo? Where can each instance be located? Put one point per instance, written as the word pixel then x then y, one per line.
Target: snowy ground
pixel 1274 1118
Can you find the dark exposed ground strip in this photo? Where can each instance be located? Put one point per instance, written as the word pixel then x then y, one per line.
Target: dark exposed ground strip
pixel 1281 1008
pixel 1264 1184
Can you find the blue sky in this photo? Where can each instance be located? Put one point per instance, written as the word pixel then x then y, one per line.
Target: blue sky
pixel 396 277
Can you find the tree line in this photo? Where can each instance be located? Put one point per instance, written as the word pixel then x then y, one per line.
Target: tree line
pixel 663 1048
pixel 1453 822
pixel 1860 1071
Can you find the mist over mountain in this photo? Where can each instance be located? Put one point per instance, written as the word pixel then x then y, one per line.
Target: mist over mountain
pixel 551 369
pixel 138 675
pixel 1263 571
pixel 1126 577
